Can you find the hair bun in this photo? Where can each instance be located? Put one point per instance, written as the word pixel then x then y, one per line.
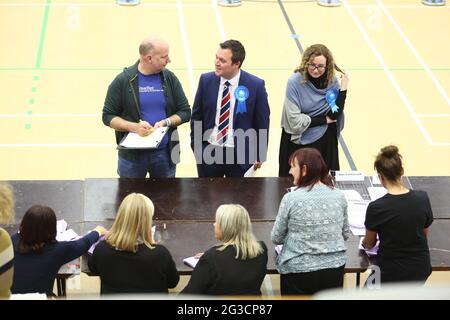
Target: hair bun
pixel 390 151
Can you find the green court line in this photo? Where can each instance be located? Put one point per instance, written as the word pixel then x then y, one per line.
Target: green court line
pixel 43 31
pixel 443 69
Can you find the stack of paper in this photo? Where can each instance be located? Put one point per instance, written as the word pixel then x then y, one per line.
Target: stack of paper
pixel 64 234
pixel 356 209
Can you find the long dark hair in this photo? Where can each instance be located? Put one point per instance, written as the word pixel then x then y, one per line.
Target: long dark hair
pixel 316 169
pixel 38 228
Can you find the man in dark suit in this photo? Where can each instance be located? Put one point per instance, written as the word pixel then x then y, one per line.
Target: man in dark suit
pixel 230 117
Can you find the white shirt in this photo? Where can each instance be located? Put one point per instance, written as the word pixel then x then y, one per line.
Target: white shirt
pixel 234 83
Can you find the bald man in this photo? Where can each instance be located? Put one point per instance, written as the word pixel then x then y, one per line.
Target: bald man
pixel 143 97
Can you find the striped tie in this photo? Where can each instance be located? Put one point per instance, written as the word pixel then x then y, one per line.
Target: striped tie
pixel 224 119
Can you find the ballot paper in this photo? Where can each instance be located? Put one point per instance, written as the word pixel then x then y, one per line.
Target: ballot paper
pixel 134 141
pixel 278 249
pixel 370 252
pixel 356 209
pixel 250 172
pixel 191 261
pixel 64 234
pixel 376 192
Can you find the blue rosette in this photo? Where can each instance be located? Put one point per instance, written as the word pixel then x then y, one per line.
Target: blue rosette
pixel 331 97
pixel 241 93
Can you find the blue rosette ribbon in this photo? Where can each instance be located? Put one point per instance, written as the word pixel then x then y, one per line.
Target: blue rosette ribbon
pixel 331 97
pixel 241 93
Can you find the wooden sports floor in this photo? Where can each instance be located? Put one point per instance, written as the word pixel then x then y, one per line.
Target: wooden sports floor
pixel 57 59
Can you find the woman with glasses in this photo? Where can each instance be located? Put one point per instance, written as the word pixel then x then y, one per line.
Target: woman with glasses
pixel 313 108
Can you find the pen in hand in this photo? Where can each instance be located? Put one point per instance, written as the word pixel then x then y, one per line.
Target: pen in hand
pixel 143 128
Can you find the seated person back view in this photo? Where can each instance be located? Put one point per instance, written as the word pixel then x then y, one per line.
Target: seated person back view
pixel 129 260
pixel 6 248
pixel 400 219
pixel 312 225
pixel 38 255
pixel 238 265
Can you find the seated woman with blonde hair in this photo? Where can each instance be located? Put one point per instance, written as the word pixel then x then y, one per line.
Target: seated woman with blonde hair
pixel 6 248
pixel 129 260
pixel 238 265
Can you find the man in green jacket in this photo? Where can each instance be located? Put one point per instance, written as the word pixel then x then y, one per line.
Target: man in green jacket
pixel 142 98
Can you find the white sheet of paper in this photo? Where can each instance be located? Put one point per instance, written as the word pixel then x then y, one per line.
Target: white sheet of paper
pixel 376 192
pixel 61 226
pixel 357 213
pixel 278 248
pixel 352 195
pixel 369 252
pixel 191 261
pixel 376 179
pixel 358 231
pixel 62 234
pixel 135 141
pixel 250 172
pixel 349 176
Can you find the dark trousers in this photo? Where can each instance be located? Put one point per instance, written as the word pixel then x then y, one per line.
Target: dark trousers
pixel 223 162
pixel 327 145
pixel 311 282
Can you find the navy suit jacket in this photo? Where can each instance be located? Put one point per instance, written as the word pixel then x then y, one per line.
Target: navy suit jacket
pixel 256 117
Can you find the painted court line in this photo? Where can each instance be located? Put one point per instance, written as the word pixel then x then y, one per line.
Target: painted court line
pixel 218 19
pixel 187 50
pixel 414 51
pixel 43 32
pixel 51 115
pixel 388 73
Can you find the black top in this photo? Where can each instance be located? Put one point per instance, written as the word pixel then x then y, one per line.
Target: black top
pixel 220 273
pixel 36 271
pixel 147 270
pixel 319 83
pixel 399 221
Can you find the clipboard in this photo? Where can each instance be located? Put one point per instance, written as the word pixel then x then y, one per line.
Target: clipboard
pixel 152 141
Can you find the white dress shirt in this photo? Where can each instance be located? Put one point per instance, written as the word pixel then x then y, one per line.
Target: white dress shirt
pixel 234 83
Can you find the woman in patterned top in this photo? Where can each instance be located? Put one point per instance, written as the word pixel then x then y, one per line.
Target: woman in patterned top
pixel 312 226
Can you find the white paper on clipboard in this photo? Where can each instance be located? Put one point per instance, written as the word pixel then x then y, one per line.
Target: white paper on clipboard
pixel 134 141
